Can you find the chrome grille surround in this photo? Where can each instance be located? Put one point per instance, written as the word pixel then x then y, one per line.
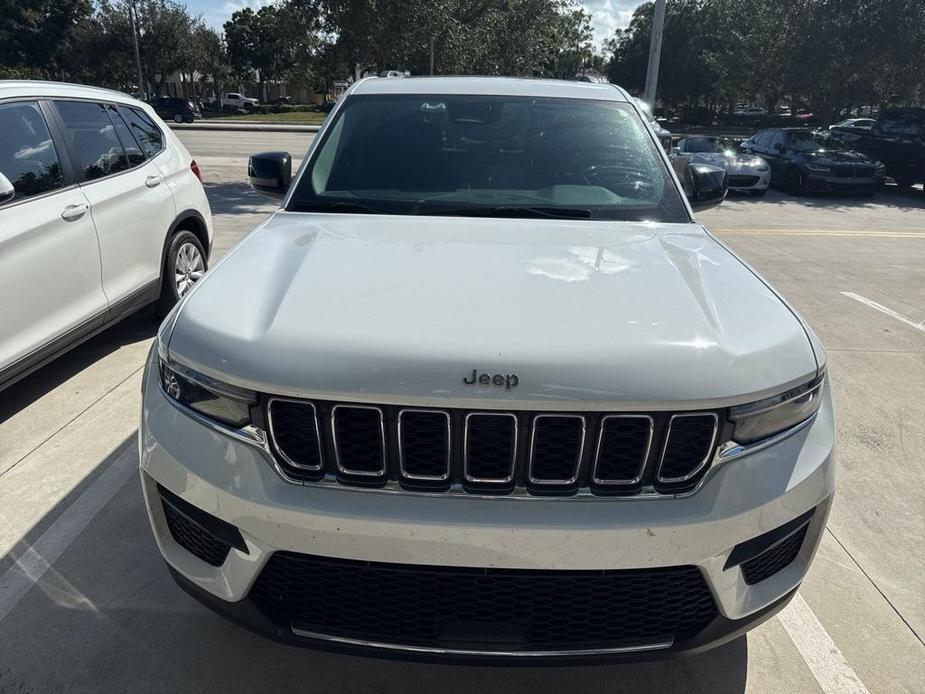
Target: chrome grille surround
pixel 280 450
pixel 337 453
pixel 449 446
pixel 466 445
pixel 578 459
pixel 710 450
pixel 600 439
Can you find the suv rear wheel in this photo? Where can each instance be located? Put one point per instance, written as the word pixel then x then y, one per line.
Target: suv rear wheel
pixel 178 117
pixel 184 266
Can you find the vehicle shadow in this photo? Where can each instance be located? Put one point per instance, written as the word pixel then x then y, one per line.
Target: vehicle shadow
pixel 909 200
pixel 236 197
pixel 119 623
pixel 137 327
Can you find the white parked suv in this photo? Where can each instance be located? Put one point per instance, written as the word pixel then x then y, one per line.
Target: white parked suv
pixel 483 388
pixel 102 212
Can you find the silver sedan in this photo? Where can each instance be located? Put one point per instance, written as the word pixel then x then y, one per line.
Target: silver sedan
pixel 747 173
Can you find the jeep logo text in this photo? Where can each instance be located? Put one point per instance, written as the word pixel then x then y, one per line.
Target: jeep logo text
pixel 507 380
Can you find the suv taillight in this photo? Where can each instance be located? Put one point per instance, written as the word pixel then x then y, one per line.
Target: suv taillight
pixel 194 167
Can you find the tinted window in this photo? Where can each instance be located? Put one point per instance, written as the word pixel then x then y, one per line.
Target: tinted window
pixel 92 139
pixel 902 122
pixel 479 155
pixel 27 154
pixel 132 150
pixel 146 133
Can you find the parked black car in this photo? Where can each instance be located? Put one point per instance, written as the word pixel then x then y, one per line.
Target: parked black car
pixel 176 109
pixel 897 138
pixel 804 161
pixel 282 101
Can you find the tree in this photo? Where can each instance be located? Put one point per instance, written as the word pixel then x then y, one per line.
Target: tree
pixel 35 34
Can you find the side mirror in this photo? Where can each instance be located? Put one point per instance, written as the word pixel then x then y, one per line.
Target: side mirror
pixel 706 186
pixel 779 148
pixel 7 191
pixel 270 173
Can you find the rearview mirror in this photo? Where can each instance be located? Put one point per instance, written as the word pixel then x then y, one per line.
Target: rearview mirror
pixel 7 191
pixel 270 173
pixel 705 185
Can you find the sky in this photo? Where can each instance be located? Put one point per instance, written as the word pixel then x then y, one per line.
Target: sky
pixel 606 15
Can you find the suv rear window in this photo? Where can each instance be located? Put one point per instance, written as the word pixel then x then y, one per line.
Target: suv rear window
pixel 27 153
pixel 487 155
pixel 146 133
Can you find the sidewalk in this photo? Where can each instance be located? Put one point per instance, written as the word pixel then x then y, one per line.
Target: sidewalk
pixel 245 126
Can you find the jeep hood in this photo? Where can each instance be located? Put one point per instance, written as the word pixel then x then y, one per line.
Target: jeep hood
pixel 396 309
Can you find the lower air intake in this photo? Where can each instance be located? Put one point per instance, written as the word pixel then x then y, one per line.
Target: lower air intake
pixel 489 609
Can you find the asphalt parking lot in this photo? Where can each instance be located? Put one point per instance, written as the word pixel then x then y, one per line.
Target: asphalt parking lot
pixel 86 604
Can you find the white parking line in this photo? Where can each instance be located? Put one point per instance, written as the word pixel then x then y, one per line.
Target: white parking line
pixel 36 559
pixel 819 651
pixel 883 309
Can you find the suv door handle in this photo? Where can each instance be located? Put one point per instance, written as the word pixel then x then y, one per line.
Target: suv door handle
pixel 153 181
pixel 72 212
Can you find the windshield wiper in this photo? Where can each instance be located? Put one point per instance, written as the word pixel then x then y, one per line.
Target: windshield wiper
pixel 337 206
pixel 511 211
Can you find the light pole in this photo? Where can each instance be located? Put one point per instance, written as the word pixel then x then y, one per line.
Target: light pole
pixel 655 53
pixel 141 82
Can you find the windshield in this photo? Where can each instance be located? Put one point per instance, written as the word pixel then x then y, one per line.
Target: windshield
pixel 489 156
pixel 710 145
pixel 814 141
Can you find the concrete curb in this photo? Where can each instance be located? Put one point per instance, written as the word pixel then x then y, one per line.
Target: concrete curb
pixel 246 127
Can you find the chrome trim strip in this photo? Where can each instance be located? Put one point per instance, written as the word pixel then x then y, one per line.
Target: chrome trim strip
pixel 449 444
pixel 477 480
pixel 732 450
pixel 290 461
pixel 742 411
pixel 707 457
pixel 581 449
pixel 342 468
pixel 600 438
pixel 657 646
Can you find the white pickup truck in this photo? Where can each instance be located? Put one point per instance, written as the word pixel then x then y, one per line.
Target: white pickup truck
pixel 238 100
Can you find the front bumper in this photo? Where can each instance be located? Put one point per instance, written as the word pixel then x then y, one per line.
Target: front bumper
pixel 236 483
pixel 823 183
pixel 747 180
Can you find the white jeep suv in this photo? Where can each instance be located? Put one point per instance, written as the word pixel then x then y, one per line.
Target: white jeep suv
pixel 102 211
pixel 483 388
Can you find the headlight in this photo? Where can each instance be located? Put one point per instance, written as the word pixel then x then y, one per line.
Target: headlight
pixel 760 164
pixel 759 420
pixel 216 400
pixel 819 168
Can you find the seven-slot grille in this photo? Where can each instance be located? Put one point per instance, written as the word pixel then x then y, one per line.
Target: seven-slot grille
pixel 491 452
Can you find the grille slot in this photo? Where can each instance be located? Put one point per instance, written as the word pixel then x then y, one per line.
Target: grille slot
pixel 775 559
pixel 622 449
pixel 359 440
pixel 536 610
pixel 556 444
pixel 424 445
pixel 490 448
pixel 688 447
pixel 294 426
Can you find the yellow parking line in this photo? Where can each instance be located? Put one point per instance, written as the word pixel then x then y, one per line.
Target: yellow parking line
pixel 903 234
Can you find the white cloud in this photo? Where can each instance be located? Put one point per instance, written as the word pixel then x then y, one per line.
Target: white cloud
pixel 609 15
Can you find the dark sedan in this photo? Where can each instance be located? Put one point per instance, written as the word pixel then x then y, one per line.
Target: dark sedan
pixel 805 161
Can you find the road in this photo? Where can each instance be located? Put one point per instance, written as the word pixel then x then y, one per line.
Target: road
pixel 86 604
